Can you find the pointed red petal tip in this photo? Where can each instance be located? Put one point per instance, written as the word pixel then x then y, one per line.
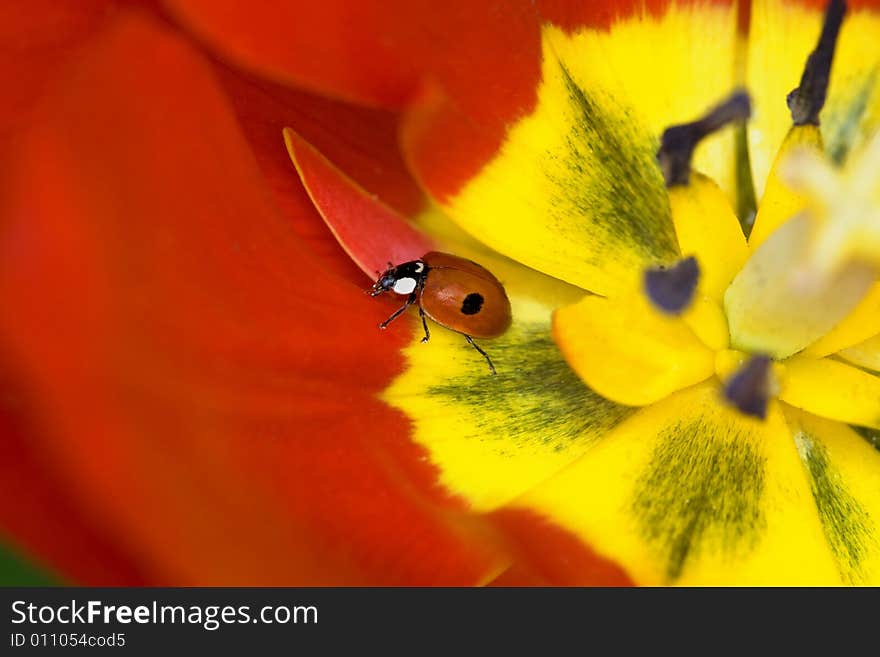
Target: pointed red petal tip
pixel 370 232
pixel 362 142
pixel 202 395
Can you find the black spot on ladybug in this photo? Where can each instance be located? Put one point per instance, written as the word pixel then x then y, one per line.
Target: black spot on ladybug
pixel 472 304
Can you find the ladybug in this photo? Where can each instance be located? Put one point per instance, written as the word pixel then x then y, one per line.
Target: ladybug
pixel 456 293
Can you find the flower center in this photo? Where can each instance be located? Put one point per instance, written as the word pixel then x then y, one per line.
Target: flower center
pixel 750 381
pixel 820 258
pixel 814 268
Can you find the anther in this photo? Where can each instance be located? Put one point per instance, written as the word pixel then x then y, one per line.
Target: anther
pixel 807 100
pixel 679 141
pixel 751 387
pixel 671 289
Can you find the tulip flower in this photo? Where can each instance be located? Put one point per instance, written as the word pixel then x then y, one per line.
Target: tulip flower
pixel 680 199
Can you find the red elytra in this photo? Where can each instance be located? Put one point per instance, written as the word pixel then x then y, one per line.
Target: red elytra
pixel 454 292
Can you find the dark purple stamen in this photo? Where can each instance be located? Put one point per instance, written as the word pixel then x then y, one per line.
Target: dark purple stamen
pixel 671 289
pixel 749 388
pixel 807 100
pixel 679 141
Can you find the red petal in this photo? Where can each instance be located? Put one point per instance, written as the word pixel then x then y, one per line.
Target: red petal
pixel 207 392
pixel 548 555
pixel 484 53
pixel 443 147
pixel 37 37
pixel 36 514
pixel 370 232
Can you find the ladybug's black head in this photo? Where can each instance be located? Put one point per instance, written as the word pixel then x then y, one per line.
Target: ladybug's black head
pixel 401 279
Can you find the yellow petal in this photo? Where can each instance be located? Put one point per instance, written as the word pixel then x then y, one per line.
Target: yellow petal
pixel 852 111
pixel 780 202
pixel 865 354
pixel 782 35
pixel 833 390
pixel 627 351
pixel 492 437
pixel 859 325
pixel 844 474
pixel 690 492
pixel 706 319
pixel 707 228
pixel 575 191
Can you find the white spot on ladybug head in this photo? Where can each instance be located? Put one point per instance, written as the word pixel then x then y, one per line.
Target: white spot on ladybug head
pixel 404 285
pixel 419 267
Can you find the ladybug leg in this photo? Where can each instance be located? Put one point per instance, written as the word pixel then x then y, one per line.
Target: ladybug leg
pixel 424 326
pixel 485 355
pixel 409 301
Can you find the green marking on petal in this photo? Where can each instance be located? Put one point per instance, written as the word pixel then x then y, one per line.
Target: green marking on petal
pixel 846 523
pixel 534 400
pixel 871 435
pixel 842 122
pixel 495 437
pixel 702 491
pixel 623 190
pixel 574 189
